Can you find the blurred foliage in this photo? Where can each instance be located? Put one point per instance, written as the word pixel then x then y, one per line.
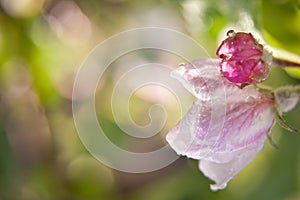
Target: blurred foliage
pixel 43 42
pixel 280 26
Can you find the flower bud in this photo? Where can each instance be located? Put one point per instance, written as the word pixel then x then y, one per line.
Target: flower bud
pixel 241 59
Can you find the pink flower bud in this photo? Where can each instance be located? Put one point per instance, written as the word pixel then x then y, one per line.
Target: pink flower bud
pixel 241 59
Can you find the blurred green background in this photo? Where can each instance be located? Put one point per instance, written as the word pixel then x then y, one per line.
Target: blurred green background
pixel 43 43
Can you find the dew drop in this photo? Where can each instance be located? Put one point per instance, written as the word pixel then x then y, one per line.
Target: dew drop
pixel 250 100
pixel 232 106
pixel 197 89
pixel 181 64
pixel 230 33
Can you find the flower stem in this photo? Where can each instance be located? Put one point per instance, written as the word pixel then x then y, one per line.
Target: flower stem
pixel 284 63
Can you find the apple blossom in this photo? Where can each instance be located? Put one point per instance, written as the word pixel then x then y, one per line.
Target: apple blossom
pixel 226 126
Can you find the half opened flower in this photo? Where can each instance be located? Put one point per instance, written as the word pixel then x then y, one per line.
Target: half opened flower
pixel 226 126
pixel 241 59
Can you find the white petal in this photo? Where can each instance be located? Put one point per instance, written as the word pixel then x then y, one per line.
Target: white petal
pixel 287 97
pixel 215 129
pixel 200 77
pixel 226 127
pixel 222 173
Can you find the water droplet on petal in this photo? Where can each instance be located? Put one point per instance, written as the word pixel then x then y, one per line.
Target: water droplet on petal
pixel 181 64
pixel 250 100
pixel 232 106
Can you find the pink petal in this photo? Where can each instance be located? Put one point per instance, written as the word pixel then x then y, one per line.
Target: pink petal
pixel 201 77
pixel 226 126
pixel 222 173
pixel 213 132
